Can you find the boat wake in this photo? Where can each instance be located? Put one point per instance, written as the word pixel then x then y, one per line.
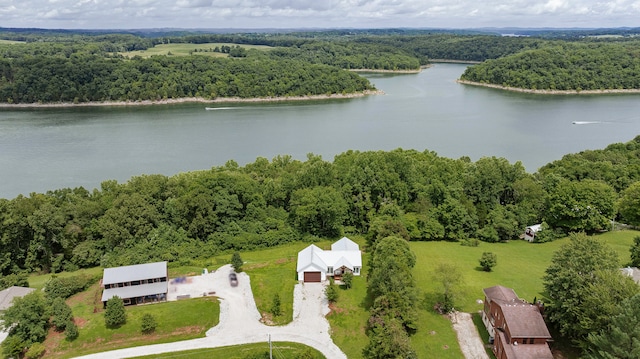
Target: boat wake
pixel 220 108
pixel 587 122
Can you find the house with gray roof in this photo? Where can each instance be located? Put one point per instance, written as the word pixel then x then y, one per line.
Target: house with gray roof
pixel 7 295
pixel 316 264
pixel 136 284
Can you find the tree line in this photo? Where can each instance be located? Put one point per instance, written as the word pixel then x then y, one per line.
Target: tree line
pixel 417 196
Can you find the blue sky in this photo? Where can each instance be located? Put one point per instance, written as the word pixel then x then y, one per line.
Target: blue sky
pixel 144 14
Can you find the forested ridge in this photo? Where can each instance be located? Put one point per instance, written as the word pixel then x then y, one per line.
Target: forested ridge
pixel 418 196
pixel 565 66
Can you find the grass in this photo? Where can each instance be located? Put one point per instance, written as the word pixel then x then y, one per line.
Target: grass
pixel 178 320
pixel 187 49
pixel 284 350
pixel 11 42
pixel 521 266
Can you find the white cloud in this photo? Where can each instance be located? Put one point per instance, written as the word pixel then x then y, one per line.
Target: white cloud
pixel 317 13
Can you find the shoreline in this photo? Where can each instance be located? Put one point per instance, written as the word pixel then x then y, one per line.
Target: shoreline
pixel 172 101
pixel 455 61
pixel 382 71
pixel 550 92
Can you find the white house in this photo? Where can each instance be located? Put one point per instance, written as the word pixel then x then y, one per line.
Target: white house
pixel 530 232
pixel 316 264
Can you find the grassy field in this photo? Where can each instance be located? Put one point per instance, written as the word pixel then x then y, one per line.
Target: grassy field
pixel 11 42
pixel 521 266
pixel 187 49
pixel 179 320
pixel 284 350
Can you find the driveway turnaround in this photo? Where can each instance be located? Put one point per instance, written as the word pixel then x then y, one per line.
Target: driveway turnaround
pixel 240 321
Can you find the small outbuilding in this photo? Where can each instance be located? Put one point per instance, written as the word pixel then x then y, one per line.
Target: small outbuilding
pixel 136 284
pixel 531 231
pixel 316 264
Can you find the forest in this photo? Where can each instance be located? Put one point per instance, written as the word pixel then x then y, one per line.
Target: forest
pixel 78 67
pixel 418 196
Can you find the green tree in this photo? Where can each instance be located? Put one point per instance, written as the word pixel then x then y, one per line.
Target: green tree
pixel 629 204
pixel 115 314
pixel 148 324
pixel 276 309
pixel 236 262
pixel 347 279
pixel 61 313
pixel 71 332
pixel 451 280
pixel 635 252
pixel 36 350
pixel 488 261
pixel 388 341
pixel 621 340
pixel 27 319
pixel 573 268
pixel 319 211
pixel 331 291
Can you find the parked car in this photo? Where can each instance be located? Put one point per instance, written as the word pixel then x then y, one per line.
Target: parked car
pixel 233 279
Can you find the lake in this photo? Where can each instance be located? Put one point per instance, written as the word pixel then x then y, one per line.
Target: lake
pixel 45 149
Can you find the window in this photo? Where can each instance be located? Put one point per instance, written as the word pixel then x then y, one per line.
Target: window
pixel 356 270
pixel 330 270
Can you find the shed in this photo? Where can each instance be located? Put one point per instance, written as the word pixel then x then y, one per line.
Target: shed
pixel 136 284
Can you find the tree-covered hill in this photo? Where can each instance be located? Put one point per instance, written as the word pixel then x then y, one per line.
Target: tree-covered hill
pixel 565 66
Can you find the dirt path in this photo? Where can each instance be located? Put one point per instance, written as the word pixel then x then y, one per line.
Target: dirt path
pixel 470 342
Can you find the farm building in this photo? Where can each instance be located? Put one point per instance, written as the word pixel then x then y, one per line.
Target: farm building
pixel 515 326
pixel 316 264
pixel 136 284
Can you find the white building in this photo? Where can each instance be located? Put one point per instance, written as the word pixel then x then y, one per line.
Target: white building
pixel 136 284
pixel 316 264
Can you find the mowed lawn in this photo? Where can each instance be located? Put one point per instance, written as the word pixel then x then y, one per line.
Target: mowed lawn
pixel 282 350
pixel 180 320
pixel 187 49
pixel 521 266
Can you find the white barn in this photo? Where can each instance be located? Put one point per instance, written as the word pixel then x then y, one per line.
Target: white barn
pixel 531 231
pixel 316 264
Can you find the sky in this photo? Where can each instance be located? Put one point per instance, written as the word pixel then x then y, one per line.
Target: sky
pixel 262 14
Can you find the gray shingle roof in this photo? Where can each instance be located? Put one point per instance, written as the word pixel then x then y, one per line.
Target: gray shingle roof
pixel 7 295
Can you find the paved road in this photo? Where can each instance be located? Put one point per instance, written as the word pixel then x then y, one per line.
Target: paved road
pixel 240 322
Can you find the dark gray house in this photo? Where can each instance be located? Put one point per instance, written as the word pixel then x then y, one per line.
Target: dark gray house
pixel 136 284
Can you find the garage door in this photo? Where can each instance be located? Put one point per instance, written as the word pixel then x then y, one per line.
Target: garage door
pixel 312 277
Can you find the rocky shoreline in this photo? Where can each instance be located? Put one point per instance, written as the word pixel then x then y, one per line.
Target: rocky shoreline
pixel 194 100
pixel 551 92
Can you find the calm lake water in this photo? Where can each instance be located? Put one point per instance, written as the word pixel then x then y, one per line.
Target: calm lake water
pixel 45 149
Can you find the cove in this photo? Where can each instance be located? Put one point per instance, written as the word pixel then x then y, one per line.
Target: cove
pixel 51 148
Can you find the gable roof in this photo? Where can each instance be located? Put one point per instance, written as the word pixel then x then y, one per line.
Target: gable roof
pixel 134 273
pixel 345 244
pixel 524 321
pixel 311 256
pixel 525 351
pixel 7 295
pixel 314 256
pixel 499 293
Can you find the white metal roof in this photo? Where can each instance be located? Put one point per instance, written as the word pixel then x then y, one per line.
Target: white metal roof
pixel 345 244
pixel 313 256
pixel 135 291
pixel 134 272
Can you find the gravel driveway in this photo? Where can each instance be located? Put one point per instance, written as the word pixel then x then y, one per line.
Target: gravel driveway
pixel 240 321
pixel 470 342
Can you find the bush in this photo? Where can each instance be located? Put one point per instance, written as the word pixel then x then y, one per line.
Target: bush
pixel 68 286
pixel 347 279
pixel 71 331
pixel 236 262
pixel 115 315
pixel 149 324
pixel 61 313
pixel 275 305
pixel 35 351
pixel 18 280
pixel 488 261
pixel 331 292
